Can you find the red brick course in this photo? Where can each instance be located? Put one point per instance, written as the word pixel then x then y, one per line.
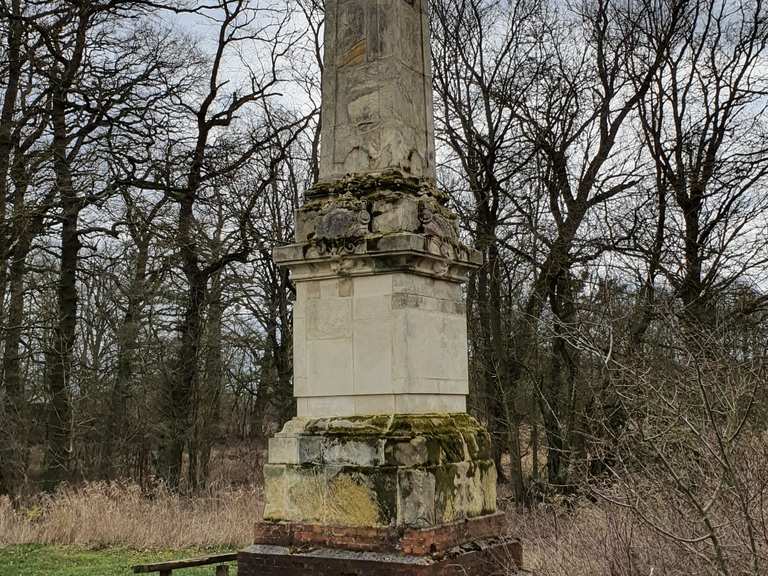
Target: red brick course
pixel 414 542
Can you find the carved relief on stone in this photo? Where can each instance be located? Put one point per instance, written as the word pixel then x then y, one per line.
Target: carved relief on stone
pixel 338 220
pixel 377 91
pixel 351 37
pixel 342 266
pixel 441 268
pixel 435 223
pixel 334 219
pixel 335 248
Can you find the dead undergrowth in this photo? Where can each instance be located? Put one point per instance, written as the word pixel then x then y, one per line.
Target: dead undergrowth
pixel 99 515
pixel 579 538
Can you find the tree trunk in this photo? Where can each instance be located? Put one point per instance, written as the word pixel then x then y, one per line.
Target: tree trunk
pixel 12 74
pixel 177 400
pixel 59 354
pixel 117 434
pixel 487 367
pixel 535 450
pixel 178 397
pixel 14 443
pixel 211 388
pixel 558 403
pixel 506 386
pixel 26 226
pixel 696 315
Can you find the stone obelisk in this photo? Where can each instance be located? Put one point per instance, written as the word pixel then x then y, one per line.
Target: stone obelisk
pixel 382 471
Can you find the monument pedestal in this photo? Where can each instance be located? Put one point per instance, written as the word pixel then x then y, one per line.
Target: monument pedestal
pixel 382 472
pixel 400 494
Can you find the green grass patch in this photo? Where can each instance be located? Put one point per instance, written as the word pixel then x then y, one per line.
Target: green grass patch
pixel 37 560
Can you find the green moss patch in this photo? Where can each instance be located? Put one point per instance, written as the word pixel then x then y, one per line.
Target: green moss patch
pixel 361 185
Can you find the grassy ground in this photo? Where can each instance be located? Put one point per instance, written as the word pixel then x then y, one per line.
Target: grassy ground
pixel 39 560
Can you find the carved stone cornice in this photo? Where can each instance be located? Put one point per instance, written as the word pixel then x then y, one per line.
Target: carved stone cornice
pixel 375 254
pixel 364 184
pixel 374 224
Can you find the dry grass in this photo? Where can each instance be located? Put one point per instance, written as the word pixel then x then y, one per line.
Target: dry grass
pixel 100 515
pixel 589 540
pixel 586 539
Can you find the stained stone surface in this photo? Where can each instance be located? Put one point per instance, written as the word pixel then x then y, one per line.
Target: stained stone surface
pixel 379 344
pixel 397 470
pixel 377 89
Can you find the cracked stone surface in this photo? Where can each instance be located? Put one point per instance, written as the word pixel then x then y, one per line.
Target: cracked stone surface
pixel 400 470
pixel 377 89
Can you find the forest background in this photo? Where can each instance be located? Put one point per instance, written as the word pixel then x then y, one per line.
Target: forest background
pixel 608 158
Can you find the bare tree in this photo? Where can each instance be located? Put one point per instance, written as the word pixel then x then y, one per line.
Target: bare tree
pixel 472 64
pixel 94 76
pixel 703 127
pixel 220 144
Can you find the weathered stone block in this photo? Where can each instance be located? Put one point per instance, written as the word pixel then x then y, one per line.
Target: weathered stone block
pixel 341 451
pixel 316 406
pixel 329 318
pixel 416 500
pixel 306 223
pixel 328 495
pixel 400 470
pixel 331 363
pixel 295 450
pixel 376 339
pixel 409 452
pixel 378 404
pixel 395 214
pixel 373 285
pixel 372 307
pixel 430 403
pixel 372 349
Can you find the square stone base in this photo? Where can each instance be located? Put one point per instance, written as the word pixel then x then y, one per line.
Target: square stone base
pixel 492 557
pixel 402 470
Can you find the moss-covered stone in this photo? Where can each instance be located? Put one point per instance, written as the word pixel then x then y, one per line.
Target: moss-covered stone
pixel 391 180
pixel 401 470
pixel 351 426
pixel 327 496
pixel 407 452
pixel 362 216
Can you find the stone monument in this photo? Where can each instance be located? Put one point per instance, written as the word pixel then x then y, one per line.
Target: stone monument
pixel 382 471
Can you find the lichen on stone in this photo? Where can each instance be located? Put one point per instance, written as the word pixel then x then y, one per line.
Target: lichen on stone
pixel 317 496
pixel 405 470
pixel 361 185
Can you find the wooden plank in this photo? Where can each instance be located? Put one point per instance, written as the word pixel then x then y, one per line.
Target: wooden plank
pixel 167 567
